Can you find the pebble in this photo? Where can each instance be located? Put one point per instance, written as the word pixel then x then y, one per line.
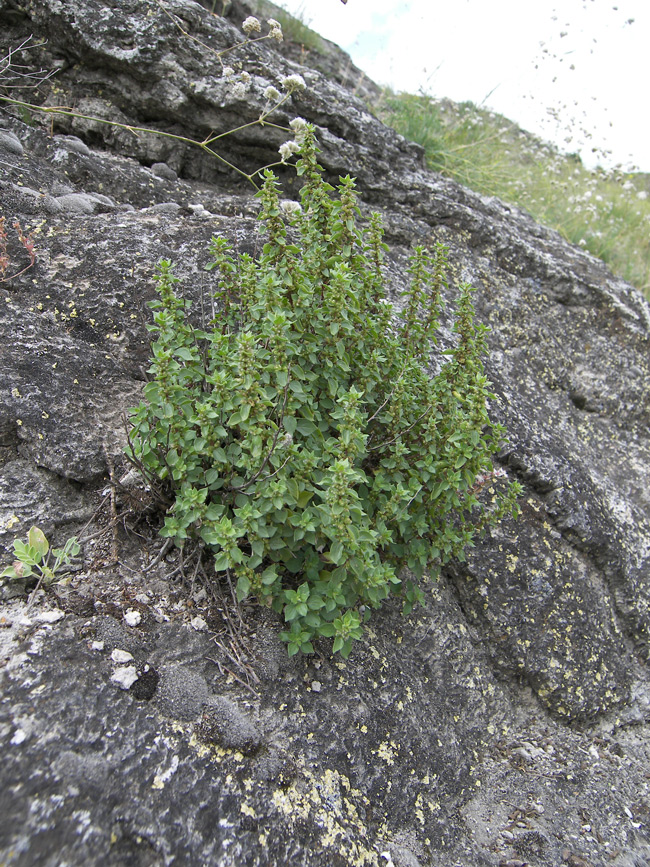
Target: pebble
pixel 83 203
pixel 73 143
pixel 165 208
pixel 125 676
pixel 120 655
pixel 76 203
pixel 200 211
pixel 50 616
pixel 162 170
pixel 132 617
pixel 199 624
pixel 10 142
pixel 315 686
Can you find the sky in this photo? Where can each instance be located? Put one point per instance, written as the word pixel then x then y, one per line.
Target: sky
pixel 574 72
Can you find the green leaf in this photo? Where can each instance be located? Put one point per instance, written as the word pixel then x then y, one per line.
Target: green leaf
pixel 17 571
pixel 269 576
pixel 27 553
pixel 305 427
pixel 36 539
pixel 289 424
pixel 222 562
pixel 184 353
pixel 304 498
pixel 345 648
pixel 243 587
pixel 337 553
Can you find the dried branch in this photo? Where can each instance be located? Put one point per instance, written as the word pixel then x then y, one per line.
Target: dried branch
pixel 19 75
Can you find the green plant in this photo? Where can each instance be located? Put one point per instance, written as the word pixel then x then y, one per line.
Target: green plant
pixel 457 142
pixel 298 436
pixel 294 27
pixel 34 558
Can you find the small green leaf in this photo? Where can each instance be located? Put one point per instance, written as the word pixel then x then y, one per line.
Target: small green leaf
pixel 27 553
pixel 289 424
pixel 37 540
pixel 337 553
pixel 345 648
pixel 305 427
pixel 222 562
pixel 184 353
pixel 269 576
pixel 243 587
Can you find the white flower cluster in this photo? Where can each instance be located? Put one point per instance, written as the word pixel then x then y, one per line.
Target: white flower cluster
pixel 251 25
pixel 290 208
pixel 289 148
pixel 240 86
pixel 276 29
pixel 293 82
pixel 271 93
pixel 298 125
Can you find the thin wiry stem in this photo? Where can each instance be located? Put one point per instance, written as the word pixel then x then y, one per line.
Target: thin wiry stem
pixel 136 130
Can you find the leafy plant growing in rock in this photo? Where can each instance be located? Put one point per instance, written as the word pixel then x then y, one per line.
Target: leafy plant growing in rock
pixel 297 435
pixel 34 557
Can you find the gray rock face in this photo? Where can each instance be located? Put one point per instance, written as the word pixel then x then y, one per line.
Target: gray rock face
pixel 503 722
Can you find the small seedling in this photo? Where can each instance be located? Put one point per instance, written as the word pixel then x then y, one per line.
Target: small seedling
pixel 35 557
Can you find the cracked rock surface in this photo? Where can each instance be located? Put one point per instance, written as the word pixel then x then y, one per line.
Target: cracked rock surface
pixel 506 721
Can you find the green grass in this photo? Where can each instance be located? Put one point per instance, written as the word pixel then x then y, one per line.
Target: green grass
pixel 293 26
pixel 604 212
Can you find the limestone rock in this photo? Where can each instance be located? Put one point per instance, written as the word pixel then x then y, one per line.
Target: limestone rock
pixel 506 720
